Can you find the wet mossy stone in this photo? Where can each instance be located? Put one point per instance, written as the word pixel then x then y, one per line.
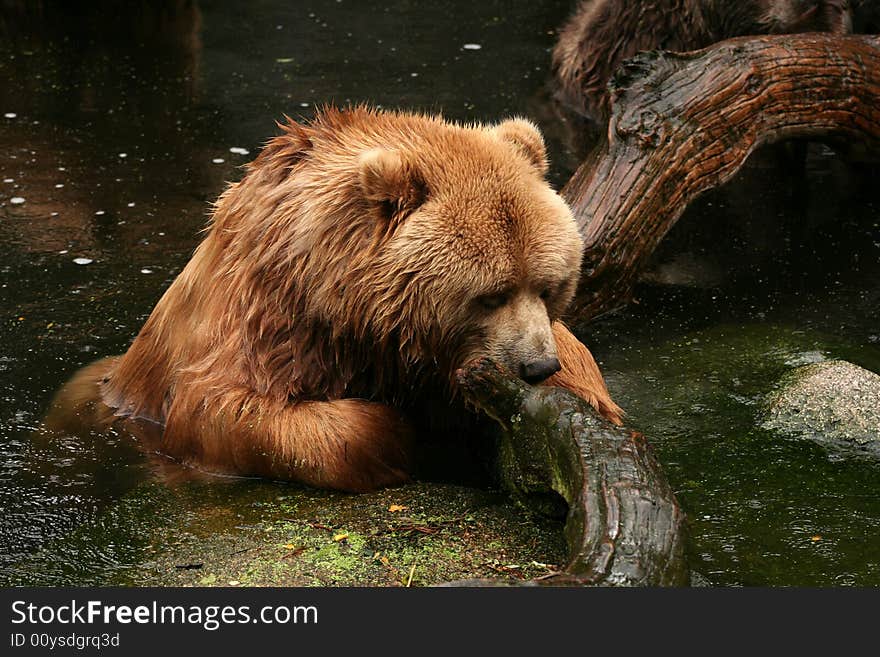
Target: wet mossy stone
pixel 834 403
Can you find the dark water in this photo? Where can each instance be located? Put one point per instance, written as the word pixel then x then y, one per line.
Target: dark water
pixel 121 135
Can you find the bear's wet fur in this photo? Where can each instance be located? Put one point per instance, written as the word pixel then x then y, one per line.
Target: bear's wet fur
pixel 362 259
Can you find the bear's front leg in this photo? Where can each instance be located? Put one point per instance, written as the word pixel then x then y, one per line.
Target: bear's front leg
pixel 581 375
pixel 345 444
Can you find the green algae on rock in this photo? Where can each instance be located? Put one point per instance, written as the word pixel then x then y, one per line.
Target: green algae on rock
pixel 416 535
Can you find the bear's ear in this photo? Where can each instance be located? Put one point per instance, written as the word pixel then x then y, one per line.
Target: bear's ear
pixel 526 138
pixel 393 185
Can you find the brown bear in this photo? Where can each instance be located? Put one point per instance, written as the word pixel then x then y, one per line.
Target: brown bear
pixel 602 33
pixel 362 259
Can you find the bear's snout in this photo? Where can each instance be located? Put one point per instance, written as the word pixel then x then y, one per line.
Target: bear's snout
pixel 538 370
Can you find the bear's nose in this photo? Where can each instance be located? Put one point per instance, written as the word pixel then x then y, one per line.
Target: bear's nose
pixel 538 370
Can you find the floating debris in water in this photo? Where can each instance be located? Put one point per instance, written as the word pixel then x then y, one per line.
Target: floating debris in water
pixel 62 168
pixel 284 60
pixel 472 46
pixel 10 115
pixel 83 261
pixel 16 200
pixel 63 252
pixel 123 155
pixel 131 205
pixel 53 214
pixel 146 270
pixel 303 104
pixel 238 150
pixel 218 160
pixel 59 185
pixel 99 213
pixel 9 180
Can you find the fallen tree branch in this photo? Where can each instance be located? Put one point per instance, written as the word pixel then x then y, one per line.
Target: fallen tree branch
pixel 684 123
pixel 624 526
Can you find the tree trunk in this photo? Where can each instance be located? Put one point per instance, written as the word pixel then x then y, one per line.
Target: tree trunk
pixel 624 526
pixel 684 123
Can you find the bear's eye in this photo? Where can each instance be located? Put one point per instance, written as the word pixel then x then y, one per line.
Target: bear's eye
pixel 493 301
pixel 546 293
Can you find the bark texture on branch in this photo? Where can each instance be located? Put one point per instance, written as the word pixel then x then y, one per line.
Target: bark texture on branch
pixel 624 526
pixel 684 123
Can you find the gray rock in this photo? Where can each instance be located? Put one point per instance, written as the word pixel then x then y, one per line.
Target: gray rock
pixel 834 403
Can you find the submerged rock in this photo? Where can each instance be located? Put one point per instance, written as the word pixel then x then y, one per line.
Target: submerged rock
pixel 262 533
pixel 834 403
pixel 421 534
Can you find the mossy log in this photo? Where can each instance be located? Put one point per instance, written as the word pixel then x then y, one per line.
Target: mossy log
pixel 684 123
pixel 624 526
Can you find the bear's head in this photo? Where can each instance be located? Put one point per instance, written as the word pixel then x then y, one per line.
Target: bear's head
pixel 414 239
pixel 482 254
